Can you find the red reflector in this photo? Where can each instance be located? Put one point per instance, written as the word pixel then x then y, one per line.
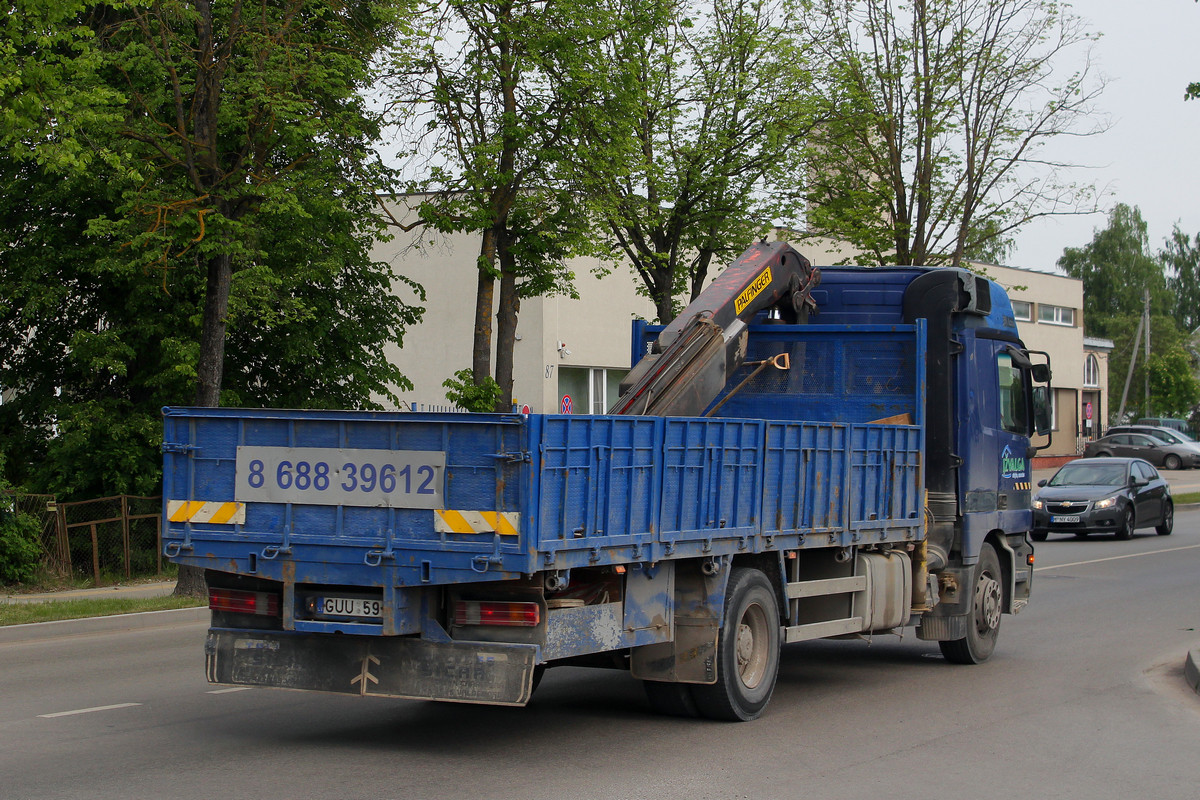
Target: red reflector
pixel 1029 559
pixel 470 612
pixel 241 602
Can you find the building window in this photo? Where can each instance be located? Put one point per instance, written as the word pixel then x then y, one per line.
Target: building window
pixel 1091 372
pixel 1056 315
pixel 1022 311
pixel 591 389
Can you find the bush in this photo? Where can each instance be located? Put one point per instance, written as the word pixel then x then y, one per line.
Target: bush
pixel 469 397
pixel 20 550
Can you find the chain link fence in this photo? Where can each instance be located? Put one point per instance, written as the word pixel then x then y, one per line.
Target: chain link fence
pixel 107 540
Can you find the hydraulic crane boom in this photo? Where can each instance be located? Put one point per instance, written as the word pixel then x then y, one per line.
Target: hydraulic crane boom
pixel 694 356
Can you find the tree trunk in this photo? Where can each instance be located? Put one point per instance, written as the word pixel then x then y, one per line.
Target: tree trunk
pixel 700 273
pixel 211 364
pixel 506 333
pixel 210 367
pixel 663 294
pixel 485 289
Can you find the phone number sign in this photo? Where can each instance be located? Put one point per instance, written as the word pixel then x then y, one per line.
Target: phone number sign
pixel 339 477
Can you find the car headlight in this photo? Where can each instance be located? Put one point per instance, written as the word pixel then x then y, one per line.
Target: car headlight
pixel 1037 505
pixel 1107 502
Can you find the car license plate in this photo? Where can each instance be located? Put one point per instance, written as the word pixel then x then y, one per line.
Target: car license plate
pixel 1066 518
pixel 346 607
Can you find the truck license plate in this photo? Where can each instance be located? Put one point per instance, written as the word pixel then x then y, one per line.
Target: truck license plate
pixel 1066 518
pixel 346 607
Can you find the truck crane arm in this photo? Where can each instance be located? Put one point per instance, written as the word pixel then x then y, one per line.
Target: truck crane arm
pixel 696 353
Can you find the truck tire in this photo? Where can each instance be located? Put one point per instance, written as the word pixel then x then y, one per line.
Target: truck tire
pixel 747 651
pixel 987 603
pixel 671 699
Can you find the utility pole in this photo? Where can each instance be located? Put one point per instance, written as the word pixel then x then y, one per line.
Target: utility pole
pixel 1137 341
pixel 1146 317
pixel 1143 322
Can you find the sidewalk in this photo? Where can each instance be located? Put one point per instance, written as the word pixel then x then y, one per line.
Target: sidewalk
pixel 155 589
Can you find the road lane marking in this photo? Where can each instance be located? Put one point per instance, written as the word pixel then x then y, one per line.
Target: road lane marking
pixel 1118 558
pixel 233 689
pixel 87 710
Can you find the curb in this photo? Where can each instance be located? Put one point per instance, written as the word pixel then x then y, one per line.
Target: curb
pixel 1191 669
pixel 40 631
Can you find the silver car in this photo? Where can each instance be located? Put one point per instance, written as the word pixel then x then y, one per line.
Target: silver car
pixel 1159 452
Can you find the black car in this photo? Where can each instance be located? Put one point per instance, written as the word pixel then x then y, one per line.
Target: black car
pixel 1103 495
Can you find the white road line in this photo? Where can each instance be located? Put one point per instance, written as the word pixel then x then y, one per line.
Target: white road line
pixel 87 710
pixel 233 689
pixel 1118 558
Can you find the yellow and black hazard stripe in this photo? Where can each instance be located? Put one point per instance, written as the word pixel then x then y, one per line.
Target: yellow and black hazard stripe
pixel 217 513
pixel 505 523
pixel 1021 486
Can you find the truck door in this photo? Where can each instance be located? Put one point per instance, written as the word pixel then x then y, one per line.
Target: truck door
pixel 994 476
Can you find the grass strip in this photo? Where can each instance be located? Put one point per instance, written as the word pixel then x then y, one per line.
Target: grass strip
pixel 52 610
pixel 1186 497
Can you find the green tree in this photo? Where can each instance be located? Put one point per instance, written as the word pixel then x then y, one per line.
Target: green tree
pixel 935 115
pixel 696 152
pixel 92 347
pixel 1117 267
pixel 50 90
pixel 1182 256
pixel 1174 391
pixel 228 109
pixel 214 234
pixel 486 93
pixel 1168 351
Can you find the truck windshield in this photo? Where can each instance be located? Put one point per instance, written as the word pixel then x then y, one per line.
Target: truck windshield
pixel 1012 395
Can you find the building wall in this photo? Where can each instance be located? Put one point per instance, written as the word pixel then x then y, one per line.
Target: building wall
pixel 1044 292
pixel 594 329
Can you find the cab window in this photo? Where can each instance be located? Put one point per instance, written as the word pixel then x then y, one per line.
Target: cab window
pixel 1012 395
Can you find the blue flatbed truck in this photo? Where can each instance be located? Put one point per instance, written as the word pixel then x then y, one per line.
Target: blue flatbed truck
pixel 867 469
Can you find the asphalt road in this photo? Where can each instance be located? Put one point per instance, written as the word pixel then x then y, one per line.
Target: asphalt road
pixel 1084 698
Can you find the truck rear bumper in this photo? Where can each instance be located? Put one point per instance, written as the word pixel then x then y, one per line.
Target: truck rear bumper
pixel 469 672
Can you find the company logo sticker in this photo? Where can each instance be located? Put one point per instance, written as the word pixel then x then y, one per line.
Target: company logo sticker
pixel 1011 466
pixel 752 291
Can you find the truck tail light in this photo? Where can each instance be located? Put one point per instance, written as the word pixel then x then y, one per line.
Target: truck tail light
pixel 520 615
pixel 237 601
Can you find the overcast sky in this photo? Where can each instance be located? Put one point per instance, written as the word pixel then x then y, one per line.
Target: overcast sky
pixel 1150 158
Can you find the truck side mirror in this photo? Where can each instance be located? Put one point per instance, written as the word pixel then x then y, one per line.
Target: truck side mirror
pixel 1040 373
pixel 1041 409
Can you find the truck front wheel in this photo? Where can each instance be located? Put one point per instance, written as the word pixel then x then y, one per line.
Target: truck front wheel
pixel 987 603
pixel 747 651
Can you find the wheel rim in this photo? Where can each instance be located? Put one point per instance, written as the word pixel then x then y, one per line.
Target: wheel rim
pixel 988 597
pixel 1168 518
pixel 752 646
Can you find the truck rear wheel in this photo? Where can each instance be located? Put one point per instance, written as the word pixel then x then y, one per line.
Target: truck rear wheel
pixel 987 603
pixel 747 651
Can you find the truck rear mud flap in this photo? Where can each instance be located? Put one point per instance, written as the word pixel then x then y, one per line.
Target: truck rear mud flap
pixel 468 672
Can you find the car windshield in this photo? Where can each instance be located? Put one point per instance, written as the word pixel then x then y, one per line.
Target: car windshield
pixel 1082 474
